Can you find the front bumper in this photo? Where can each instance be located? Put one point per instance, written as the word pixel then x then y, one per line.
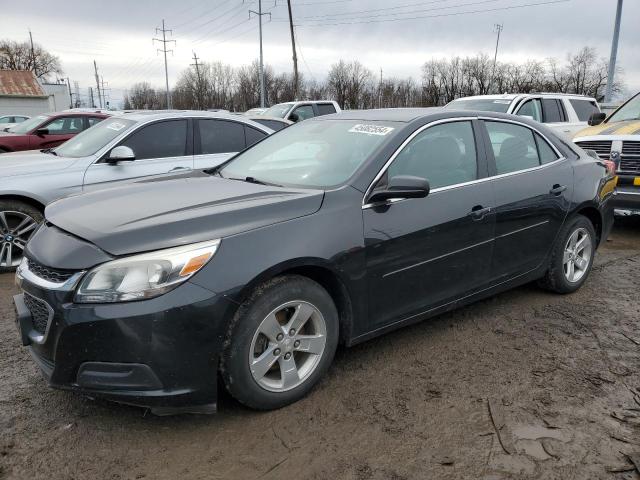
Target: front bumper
pixel 627 195
pixel 160 353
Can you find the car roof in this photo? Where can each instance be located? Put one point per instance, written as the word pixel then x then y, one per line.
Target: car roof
pixel 513 96
pixel 152 115
pixel 387 114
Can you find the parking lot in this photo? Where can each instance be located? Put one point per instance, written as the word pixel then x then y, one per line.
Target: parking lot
pixel 524 385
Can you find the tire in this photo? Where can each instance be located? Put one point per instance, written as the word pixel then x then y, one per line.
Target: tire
pixel 18 221
pixel 558 276
pixel 246 343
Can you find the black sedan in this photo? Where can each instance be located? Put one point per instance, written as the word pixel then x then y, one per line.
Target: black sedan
pixel 330 232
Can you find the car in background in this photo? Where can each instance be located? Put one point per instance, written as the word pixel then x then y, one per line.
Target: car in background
pixel 334 230
pixel 617 138
pixel 274 123
pixel 47 131
pixel 565 114
pixel 254 111
pixel 8 121
pixel 298 111
pixel 120 148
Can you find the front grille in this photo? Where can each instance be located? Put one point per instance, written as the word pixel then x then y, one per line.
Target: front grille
pixel 630 157
pixel 50 274
pixel 40 313
pixel 601 147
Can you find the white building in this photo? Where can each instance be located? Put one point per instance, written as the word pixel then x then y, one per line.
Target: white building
pixel 22 93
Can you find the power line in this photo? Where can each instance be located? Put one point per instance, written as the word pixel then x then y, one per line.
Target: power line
pixel 487 10
pixel 164 50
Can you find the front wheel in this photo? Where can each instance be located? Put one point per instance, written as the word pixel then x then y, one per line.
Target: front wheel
pixel 572 256
pixel 280 343
pixel 18 221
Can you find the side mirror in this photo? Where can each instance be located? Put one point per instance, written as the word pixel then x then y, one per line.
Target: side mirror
pixel 401 186
pixel 294 117
pixel 597 118
pixel 41 132
pixel 121 153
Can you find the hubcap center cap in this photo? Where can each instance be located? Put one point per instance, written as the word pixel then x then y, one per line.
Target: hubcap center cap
pixel 8 238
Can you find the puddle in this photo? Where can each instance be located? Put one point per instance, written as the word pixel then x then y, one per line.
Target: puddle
pixel 529 432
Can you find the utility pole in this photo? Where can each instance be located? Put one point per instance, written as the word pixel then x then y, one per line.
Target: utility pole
pixel 260 14
pixel 70 94
pixel 295 56
pixel 33 55
pixel 198 81
pixel 95 69
pixel 164 50
pixel 76 87
pixel 498 29
pixel 93 103
pixel 380 90
pixel 104 93
pixel 614 53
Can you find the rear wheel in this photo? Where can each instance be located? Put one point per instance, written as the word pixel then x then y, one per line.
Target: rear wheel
pixel 281 342
pixel 18 221
pixel 572 256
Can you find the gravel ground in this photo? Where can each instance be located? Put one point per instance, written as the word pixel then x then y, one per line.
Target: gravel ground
pixel 525 385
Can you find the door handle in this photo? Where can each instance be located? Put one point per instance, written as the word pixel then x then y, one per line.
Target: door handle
pixel 479 212
pixel 557 189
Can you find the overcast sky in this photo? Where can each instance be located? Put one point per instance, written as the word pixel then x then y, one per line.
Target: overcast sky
pixel 395 35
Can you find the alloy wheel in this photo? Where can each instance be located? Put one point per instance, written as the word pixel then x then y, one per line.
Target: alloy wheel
pixel 287 346
pixel 15 230
pixel 577 255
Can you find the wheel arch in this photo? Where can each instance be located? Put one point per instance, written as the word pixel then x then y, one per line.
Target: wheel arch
pixel 592 213
pixel 37 204
pixel 320 272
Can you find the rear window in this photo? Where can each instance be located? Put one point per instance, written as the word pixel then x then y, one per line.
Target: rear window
pixel 326 109
pixel 583 108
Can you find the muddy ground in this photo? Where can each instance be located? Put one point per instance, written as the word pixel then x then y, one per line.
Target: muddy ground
pixel 525 385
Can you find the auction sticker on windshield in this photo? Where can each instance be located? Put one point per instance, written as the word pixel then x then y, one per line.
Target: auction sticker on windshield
pixel 117 126
pixel 371 129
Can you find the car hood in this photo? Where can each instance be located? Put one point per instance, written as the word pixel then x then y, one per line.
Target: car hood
pixel 31 161
pixel 625 127
pixel 158 214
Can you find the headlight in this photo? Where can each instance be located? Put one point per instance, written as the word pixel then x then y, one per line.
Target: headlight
pixel 144 276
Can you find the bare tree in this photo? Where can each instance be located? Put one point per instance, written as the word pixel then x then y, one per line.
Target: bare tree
pixel 18 56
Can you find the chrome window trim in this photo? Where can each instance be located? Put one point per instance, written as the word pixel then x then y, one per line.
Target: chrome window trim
pixel 457 185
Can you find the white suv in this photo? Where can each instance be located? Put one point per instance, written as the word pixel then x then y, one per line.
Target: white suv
pixel 298 111
pixel 564 113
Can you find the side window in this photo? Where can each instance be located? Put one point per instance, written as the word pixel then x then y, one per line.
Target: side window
pixel 444 154
pixel 159 140
pixel 6 119
pixel 583 108
pixel 546 153
pixel 552 112
pixel 514 147
pixel 94 120
pixel 326 108
pixel 65 126
pixel 252 135
pixel 220 136
pixel 531 108
pixel 304 112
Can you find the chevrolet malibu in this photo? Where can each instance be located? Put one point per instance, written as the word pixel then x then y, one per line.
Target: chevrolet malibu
pixel 332 231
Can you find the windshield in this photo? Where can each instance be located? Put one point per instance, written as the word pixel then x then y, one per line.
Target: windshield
pixel 482 104
pixel 280 110
pixel 28 125
pixel 94 138
pixel 629 111
pixel 315 154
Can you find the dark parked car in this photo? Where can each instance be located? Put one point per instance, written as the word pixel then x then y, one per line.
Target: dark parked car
pixel 47 131
pixel 335 230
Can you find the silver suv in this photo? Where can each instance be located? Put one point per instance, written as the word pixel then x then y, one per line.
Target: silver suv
pixel 123 147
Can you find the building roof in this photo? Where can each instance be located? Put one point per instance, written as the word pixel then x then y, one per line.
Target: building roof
pixel 21 83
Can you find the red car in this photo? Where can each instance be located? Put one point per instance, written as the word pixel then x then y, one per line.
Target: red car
pixel 47 130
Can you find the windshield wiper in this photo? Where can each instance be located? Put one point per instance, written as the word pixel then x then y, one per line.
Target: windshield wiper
pixel 49 150
pixel 254 180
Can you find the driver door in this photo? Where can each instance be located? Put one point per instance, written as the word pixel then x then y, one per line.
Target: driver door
pixel 422 253
pixel 159 148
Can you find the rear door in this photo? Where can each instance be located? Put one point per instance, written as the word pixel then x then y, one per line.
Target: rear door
pixel 533 185
pixel 425 252
pixel 217 140
pixel 160 147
